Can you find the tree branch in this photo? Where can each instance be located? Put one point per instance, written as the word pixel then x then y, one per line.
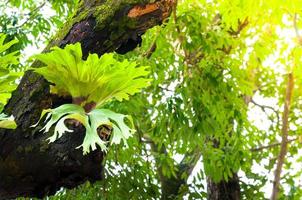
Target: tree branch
pixel 263 107
pixel 271 145
pixel 299 38
pixel 241 26
pixel 283 150
pixel 31 14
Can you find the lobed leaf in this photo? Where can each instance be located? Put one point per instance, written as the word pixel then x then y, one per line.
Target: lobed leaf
pixel 98 80
pixel 91 121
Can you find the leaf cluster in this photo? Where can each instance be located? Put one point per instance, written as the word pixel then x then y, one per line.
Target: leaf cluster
pixel 7 77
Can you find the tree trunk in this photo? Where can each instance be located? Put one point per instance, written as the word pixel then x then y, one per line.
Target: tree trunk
pixel 224 190
pixel 31 167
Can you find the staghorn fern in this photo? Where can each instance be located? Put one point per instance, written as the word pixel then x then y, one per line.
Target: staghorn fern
pixel 94 81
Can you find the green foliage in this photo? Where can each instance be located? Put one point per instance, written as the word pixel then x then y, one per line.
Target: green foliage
pixel 7 79
pixel 97 80
pixel 25 20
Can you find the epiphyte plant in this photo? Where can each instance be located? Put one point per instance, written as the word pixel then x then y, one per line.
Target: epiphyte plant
pixel 91 83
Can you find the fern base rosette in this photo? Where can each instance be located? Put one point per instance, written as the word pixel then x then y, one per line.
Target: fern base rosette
pixel 91 121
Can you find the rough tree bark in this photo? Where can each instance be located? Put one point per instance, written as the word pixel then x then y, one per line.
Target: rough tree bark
pixel 224 190
pixel 31 167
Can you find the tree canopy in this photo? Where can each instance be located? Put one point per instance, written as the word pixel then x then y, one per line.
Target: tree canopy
pixel 220 109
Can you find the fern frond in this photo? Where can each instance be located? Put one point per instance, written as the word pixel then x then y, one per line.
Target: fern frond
pixel 97 80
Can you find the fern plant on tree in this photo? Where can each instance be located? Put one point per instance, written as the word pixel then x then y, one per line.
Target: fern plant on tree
pixel 7 79
pixel 91 83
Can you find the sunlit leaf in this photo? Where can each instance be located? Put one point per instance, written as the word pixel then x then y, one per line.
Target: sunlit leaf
pixel 98 80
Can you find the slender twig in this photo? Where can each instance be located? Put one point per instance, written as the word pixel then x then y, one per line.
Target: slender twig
pixel 241 26
pixel 32 14
pixel 284 141
pixel 150 51
pixel 263 107
pixel 257 149
pixel 36 9
pixel 152 47
pixel 297 29
pixel 147 138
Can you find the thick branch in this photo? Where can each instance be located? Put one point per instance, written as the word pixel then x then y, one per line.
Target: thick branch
pixel 29 166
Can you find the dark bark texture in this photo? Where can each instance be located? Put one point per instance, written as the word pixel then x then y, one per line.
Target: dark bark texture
pixel 29 166
pixel 224 190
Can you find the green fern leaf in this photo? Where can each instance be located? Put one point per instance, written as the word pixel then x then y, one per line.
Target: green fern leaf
pixel 97 80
